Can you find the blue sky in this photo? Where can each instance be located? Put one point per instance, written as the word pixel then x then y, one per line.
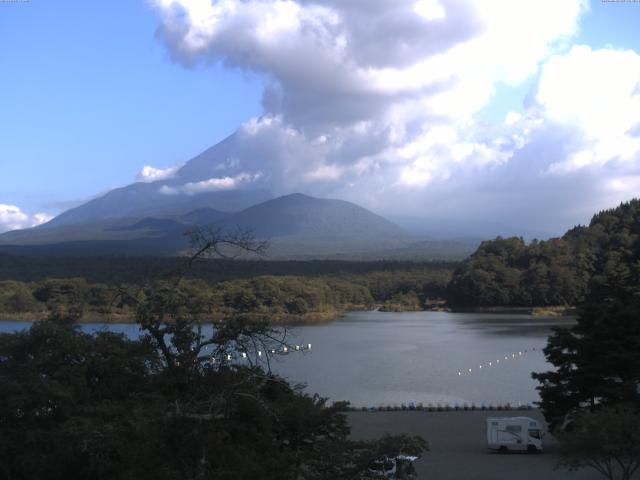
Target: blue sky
pixel 91 92
pixel 604 25
pixel 89 96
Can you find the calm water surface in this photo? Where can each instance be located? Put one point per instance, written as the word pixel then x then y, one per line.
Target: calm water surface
pixel 374 358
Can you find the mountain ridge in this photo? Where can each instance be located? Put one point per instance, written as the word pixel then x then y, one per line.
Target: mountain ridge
pixel 296 225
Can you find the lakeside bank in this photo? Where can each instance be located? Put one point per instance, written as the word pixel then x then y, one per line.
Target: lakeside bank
pixel 308 318
pixel 539 311
pixel 278 319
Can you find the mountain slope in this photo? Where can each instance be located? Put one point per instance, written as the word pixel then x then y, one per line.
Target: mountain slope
pixel 205 181
pixel 146 199
pixel 301 215
pixel 297 225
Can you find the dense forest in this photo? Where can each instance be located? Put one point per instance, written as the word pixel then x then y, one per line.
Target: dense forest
pixel 508 272
pixel 283 298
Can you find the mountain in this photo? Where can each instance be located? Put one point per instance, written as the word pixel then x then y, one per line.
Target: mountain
pixel 202 216
pixel 215 188
pixel 204 182
pixel 146 199
pixel 296 226
pixel 301 215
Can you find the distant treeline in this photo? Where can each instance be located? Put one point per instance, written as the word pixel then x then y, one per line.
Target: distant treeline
pixel 281 298
pixel 115 270
pixel 560 271
pixel 505 272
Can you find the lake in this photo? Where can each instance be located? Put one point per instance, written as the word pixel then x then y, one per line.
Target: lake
pixel 381 358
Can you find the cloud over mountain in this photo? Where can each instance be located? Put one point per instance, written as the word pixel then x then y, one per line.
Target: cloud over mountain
pixel 12 218
pixel 379 102
pixel 151 174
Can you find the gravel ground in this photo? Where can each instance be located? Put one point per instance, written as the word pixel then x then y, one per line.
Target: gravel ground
pixel 458 446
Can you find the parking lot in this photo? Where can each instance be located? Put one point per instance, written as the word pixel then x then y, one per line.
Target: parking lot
pixel 458 446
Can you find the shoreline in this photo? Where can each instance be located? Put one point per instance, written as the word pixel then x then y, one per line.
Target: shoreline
pixel 311 318
pixel 550 311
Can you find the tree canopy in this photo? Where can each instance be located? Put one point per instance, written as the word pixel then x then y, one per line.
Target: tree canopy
pixel 559 271
pixel 598 360
pixel 173 404
pixel 607 440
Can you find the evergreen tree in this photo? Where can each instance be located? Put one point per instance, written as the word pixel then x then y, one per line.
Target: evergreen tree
pixel 598 360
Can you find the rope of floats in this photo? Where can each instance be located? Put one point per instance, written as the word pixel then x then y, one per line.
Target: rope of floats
pixel 495 363
pixel 285 350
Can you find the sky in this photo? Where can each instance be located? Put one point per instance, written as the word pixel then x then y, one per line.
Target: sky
pixel 519 113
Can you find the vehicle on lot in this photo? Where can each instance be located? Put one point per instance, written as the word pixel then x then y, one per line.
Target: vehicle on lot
pixel 514 434
pixel 400 467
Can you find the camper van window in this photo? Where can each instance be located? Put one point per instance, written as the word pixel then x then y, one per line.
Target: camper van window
pixel 534 433
pixel 513 428
pixel 494 424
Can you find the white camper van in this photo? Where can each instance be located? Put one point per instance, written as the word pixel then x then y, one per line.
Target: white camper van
pixel 518 434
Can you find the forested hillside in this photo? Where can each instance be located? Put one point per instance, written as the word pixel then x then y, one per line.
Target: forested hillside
pixel 508 272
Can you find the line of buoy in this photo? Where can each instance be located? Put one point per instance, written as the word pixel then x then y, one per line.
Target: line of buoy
pixel 492 363
pixel 443 407
pixel 285 350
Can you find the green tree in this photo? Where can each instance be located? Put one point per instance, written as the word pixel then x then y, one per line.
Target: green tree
pixel 598 360
pixel 170 405
pixel 607 440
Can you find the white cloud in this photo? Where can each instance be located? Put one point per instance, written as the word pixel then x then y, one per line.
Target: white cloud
pixel 512 117
pixel 210 185
pixel 40 218
pixel 335 61
pixel 379 104
pixel 325 172
pixel 386 74
pixel 596 92
pixel 13 218
pixel 430 9
pixel 151 174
